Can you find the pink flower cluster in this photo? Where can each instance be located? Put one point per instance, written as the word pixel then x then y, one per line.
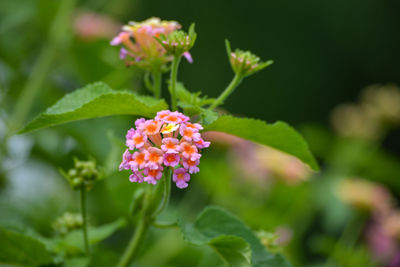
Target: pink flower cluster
pixel 168 140
pixel 139 45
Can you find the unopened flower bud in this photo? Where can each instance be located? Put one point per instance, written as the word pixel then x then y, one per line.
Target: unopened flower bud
pixel 84 174
pixel 178 43
pixel 67 222
pixel 245 63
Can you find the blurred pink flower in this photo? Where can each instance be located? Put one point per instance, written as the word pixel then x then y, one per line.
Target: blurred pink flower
pixel 91 26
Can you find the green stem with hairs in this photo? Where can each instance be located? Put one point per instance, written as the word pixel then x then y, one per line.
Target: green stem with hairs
pixel 148 217
pixel 231 87
pixel 157 75
pixel 84 218
pixel 174 75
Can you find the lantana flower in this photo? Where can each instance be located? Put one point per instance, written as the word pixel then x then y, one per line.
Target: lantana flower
pixel 139 46
pixel 169 140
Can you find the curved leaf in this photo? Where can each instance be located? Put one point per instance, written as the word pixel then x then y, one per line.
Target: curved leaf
pixel 22 250
pixel 234 250
pixel 94 101
pixel 228 235
pixel 278 135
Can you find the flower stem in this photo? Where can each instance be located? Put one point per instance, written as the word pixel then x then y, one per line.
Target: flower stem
pixel 231 87
pixel 174 75
pixel 166 193
pixel 147 218
pixel 157 75
pixel 84 218
pixel 134 243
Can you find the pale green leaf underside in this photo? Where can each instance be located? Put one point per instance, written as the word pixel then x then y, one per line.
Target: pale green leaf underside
pixel 94 101
pixel 231 238
pixel 278 135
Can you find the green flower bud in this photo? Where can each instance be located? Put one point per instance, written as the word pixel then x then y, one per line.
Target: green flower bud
pixel 84 174
pixel 179 42
pixel 245 63
pixel 67 222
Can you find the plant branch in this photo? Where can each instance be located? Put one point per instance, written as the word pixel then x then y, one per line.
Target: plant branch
pixel 231 87
pixel 157 76
pixel 84 218
pixel 174 75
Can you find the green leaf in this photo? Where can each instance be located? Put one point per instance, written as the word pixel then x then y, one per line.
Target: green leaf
pixel 234 250
pixel 231 238
pixel 77 262
pixel 278 135
pixel 22 250
pixel 73 241
pixel 94 101
pixel 188 98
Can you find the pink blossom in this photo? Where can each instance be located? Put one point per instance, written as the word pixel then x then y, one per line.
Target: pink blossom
pixel 189 151
pixel 161 115
pixel 191 165
pixel 189 133
pixel 194 125
pixel 120 38
pixel 175 117
pixel 126 158
pixel 138 161
pixel 169 140
pixel 181 177
pixel 139 122
pixel 135 139
pixel 152 176
pixel 150 127
pixel 122 53
pixel 136 177
pixel 188 57
pixel 171 160
pixel 154 158
pixel 200 143
pixel 170 145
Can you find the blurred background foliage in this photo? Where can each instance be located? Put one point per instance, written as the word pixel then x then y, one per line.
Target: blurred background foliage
pixel 325 53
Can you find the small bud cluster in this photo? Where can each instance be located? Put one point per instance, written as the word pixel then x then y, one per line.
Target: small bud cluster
pixel 245 63
pixel 84 174
pixel 68 222
pixel 139 46
pixel 168 140
pixel 179 43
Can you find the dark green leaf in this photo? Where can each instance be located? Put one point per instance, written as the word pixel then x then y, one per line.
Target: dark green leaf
pixel 22 250
pixel 186 97
pixel 77 262
pixel 278 135
pixel 94 101
pixel 228 235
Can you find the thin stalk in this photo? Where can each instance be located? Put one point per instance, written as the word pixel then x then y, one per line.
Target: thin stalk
pixel 166 193
pixel 143 225
pixel 174 75
pixel 57 38
pixel 348 237
pixel 146 219
pixel 157 75
pixel 231 87
pixel 134 243
pixel 84 218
